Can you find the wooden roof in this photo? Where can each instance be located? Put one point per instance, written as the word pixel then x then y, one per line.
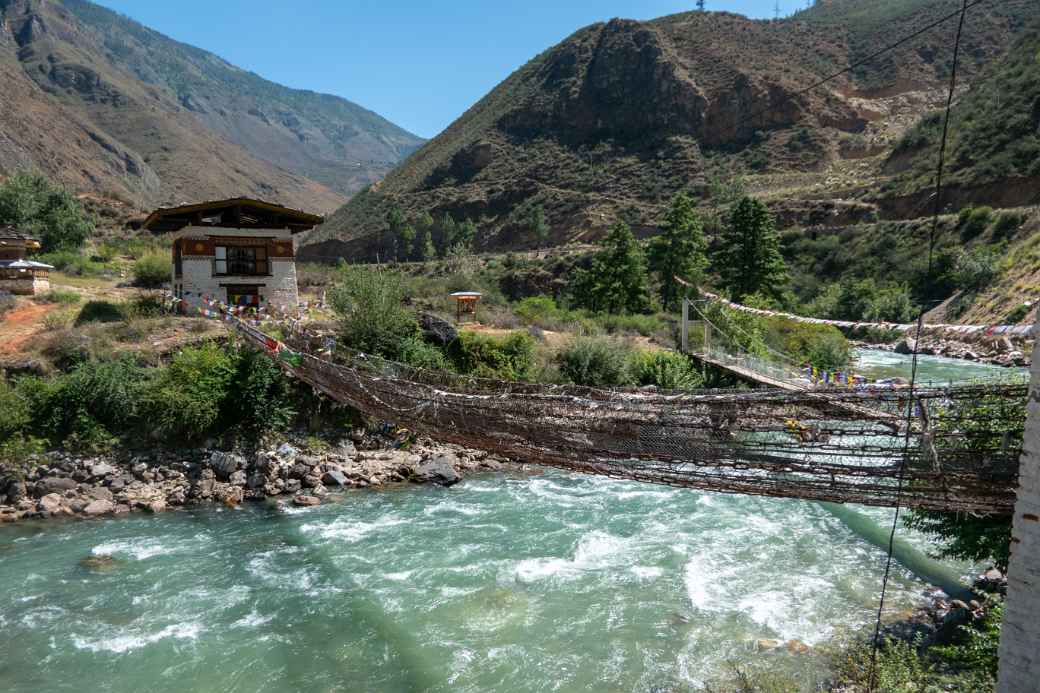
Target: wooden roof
pixel 10 233
pixel 236 213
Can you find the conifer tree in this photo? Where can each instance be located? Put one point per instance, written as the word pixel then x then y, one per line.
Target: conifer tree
pixel 616 281
pixel 537 225
pixel 749 260
pixel 395 223
pixel 406 242
pixel 465 234
pixel 426 251
pixel 679 251
pixel 448 229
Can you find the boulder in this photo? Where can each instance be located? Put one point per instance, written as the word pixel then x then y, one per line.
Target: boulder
pixel 288 486
pixel 16 491
pixel 437 330
pixel 54 484
pixel 438 470
pixel 307 500
pixel 101 470
pixel 237 478
pixel 287 452
pixel 156 506
pixel 224 464
pixel 334 477
pixel 99 507
pixel 310 481
pixel 51 503
pixel 100 493
pixel 345 448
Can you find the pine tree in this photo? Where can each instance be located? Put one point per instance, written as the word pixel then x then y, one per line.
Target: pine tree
pixel 426 249
pixel 448 228
pixel 392 236
pixel 749 259
pixel 537 225
pixel 679 251
pixel 406 242
pixel 616 281
pixel 465 234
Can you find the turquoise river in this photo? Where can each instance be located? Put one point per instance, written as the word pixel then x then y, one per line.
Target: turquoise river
pixel 546 582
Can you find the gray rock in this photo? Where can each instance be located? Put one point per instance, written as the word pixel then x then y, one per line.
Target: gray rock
pixel 334 477
pixel 310 481
pixel 156 506
pixel 54 484
pixel 307 500
pixel 117 485
pixel 100 493
pixel 101 470
pixel 224 463
pixel 237 478
pixel 289 486
pixel 16 491
pixel 437 330
pixel 345 448
pixel 298 471
pixel 438 470
pixel 287 452
pixel 139 468
pixel 99 507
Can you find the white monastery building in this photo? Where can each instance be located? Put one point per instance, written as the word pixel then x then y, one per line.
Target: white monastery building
pixel 238 251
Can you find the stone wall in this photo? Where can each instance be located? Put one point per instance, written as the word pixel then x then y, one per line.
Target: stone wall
pixel 1020 637
pixel 32 286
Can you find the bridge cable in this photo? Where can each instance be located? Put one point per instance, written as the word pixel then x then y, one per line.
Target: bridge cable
pixel 872 680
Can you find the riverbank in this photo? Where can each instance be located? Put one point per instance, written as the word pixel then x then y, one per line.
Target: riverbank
pixel 62 484
pixel 997 351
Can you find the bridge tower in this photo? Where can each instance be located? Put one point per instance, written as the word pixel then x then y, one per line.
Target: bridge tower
pixel 1020 636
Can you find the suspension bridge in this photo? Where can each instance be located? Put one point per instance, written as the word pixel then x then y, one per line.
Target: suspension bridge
pixel 874 446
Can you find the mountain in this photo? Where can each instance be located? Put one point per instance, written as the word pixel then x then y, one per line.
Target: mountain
pixel 111 107
pixel 993 148
pixel 615 119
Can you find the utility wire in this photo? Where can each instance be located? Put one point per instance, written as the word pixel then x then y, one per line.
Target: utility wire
pixel 872 681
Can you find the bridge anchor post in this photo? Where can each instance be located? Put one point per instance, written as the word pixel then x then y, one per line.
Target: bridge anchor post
pixel 1020 635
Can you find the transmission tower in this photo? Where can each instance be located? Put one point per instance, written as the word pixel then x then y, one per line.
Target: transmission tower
pixel 776 10
pixel 700 5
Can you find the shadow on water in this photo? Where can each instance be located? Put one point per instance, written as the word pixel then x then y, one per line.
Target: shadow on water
pixel 914 560
pixel 352 644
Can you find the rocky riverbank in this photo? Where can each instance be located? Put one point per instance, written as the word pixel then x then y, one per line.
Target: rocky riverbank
pixel 997 351
pixel 63 484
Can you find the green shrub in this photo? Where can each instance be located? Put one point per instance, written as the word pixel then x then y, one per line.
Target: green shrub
pixel 259 398
pixel 1018 314
pixel 1006 224
pixel 187 397
pixel 645 325
pixel 67 348
pixel 508 358
pixel 71 262
pixel 17 414
pixel 972 221
pixel 99 311
pixel 823 346
pixel 60 296
pixel 372 316
pixel 30 201
pixel 534 309
pixel 152 271
pixel 17 451
pixel 415 352
pixel 976 269
pixel 143 307
pixel 596 362
pixel 980 652
pixel 668 370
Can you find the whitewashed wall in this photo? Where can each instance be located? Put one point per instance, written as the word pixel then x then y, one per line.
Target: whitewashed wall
pixel 278 289
pixel 1020 637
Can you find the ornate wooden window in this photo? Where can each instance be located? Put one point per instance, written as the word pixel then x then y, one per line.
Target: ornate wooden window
pixel 238 260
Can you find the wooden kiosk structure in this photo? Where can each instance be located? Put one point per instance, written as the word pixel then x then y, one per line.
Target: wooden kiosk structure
pixel 466 304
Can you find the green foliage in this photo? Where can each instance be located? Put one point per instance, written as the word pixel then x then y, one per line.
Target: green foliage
pixel 30 202
pixel 61 297
pixel 680 251
pixel 665 369
pixel 415 352
pixel 616 282
pixel 596 362
pixel 973 221
pixel 152 271
pixel 980 651
pixel 370 306
pixel 427 251
pixel 259 397
pixel 864 300
pixel 748 259
pixel 99 311
pixel 1006 224
pixel 187 398
pixel 485 356
pixel 537 226
pixel 16 408
pixel 986 423
pixel 1017 314
pixel 975 269
pixel 72 262
pixel 17 451
pixel 534 309
pixel 823 346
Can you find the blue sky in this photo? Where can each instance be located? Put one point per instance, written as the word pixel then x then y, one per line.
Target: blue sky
pixel 420 64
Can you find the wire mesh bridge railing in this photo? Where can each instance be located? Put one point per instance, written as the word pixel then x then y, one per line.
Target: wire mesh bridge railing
pixel 768 442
